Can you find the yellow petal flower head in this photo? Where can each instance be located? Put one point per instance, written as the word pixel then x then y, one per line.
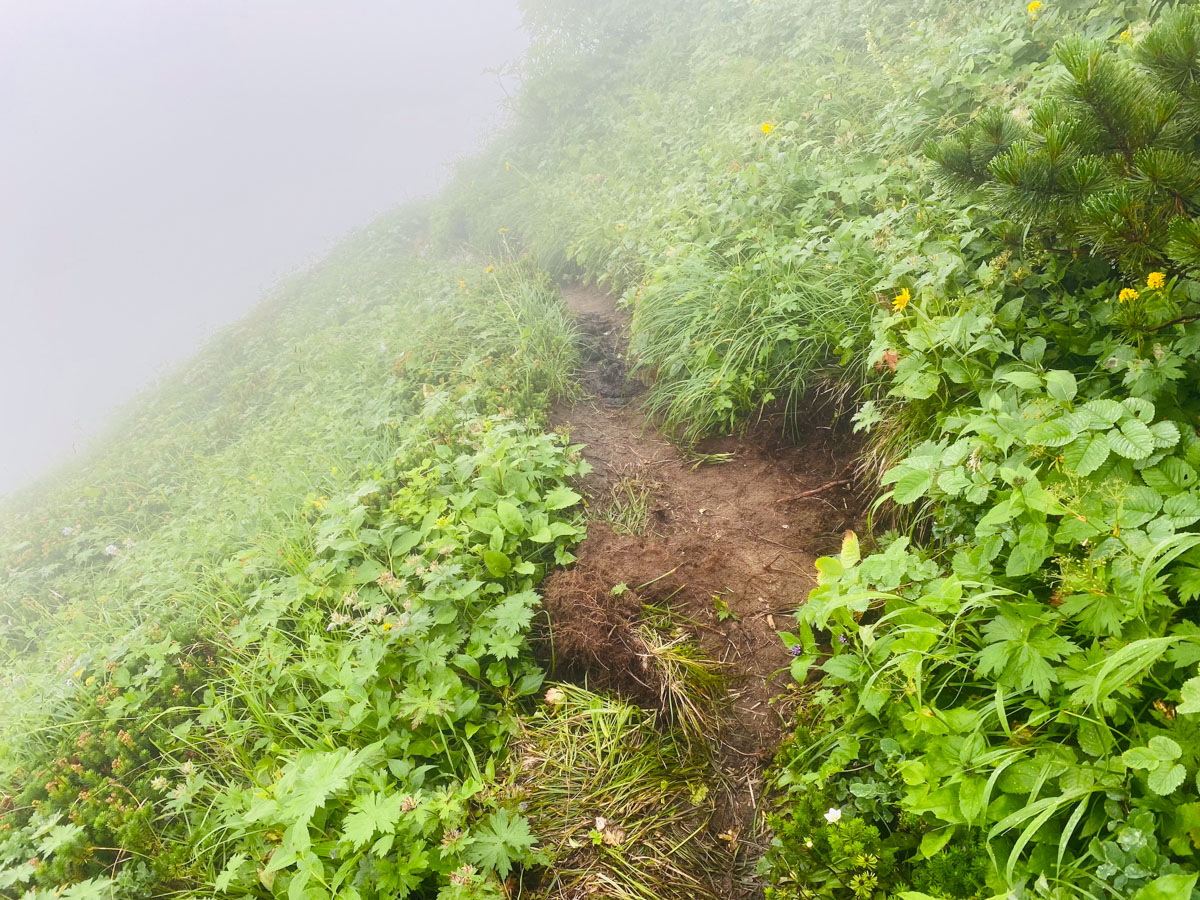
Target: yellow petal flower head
pixel 901 300
pixel 489 270
pixel 1034 8
pixel 507 166
pixel 767 127
pixel 501 231
pixel 1156 280
pixel 1127 295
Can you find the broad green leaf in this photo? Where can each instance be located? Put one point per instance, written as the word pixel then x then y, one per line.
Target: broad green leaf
pixel 1190 694
pixel 1166 778
pixel 1183 509
pixel 932 843
pixel 1167 887
pixel 1171 476
pixel 1054 433
pixel 1109 411
pixel 497 563
pixel 1140 408
pixel 911 486
pixel 1131 439
pixel 1023 379
pixel 1060 384
pixel 1166 434
pixel 560 498
pixel 1086 454
pixel 510 517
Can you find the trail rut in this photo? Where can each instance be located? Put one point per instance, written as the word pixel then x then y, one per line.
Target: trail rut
pixel 728 547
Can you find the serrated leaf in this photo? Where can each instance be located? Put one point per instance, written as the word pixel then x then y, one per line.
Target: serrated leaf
pixel 232 866
pixel 1139 408
pixel 911 486
pixel 1190 694
pixel 1086 453
pixel 1166 434
pixel 1131 439
pixel 1183 509
pixel 1054 433
pixel 1109 411
pixel 1061 385
pixel 372 813
pixel 505 839
pixel 1171 476
pixel 1165 779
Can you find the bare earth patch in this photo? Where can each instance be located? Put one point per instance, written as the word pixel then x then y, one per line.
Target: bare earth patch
pixel 728 548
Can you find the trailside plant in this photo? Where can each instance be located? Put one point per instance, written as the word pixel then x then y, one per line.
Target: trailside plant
pixel 1110 162
pixel 319 709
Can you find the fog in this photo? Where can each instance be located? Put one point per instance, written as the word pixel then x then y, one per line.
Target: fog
pixel 163 161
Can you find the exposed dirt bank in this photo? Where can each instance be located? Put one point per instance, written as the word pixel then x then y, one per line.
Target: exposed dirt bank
pixel 728 547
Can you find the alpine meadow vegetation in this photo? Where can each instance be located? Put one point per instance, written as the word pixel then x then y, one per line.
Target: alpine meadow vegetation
pixel 273 638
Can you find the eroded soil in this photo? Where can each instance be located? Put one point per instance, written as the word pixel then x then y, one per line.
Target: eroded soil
pixel 728 547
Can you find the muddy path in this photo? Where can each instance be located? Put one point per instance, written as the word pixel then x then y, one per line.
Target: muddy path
pixel 728 548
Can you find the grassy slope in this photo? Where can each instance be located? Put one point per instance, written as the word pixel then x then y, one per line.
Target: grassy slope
pixel 747 176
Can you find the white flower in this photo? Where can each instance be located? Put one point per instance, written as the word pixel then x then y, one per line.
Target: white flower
pixel 833 814
pixel 111 549
pixel 68 531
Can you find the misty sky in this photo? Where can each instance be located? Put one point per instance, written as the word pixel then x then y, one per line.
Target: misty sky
pixel 162 162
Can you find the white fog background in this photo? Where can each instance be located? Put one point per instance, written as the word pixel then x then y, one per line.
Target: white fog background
pixel 163 162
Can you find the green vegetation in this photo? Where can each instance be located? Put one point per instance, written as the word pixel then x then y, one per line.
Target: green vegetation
pixel 277 646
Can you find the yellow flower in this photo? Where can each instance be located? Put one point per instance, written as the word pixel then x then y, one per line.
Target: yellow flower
pixel 767 127
pixel 489 270
pixel 901 300
pixel 1155 281
pixel 1126 36
pixel 387 626
pixel 620 226
pixel 462 285
pixel 1127 295
pixel 1034 8
pixel 501 231
pixel 507 166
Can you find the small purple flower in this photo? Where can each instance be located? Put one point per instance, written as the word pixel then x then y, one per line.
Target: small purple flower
pixel 796 650
pixel 842 639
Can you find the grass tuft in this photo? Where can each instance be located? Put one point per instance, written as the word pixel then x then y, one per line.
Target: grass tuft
pixel 621 806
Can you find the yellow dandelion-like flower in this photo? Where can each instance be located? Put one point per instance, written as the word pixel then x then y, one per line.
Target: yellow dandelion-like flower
pixel 767 127
pixel 507 166
pixel 1125 36
pixel 901 300
pixel 462 285
pixel 1034 8
pixel 489 270
pixel 1156 280
pixel 501 231
pixel 1127 295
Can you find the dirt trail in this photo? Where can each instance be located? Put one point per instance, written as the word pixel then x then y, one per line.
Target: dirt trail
pixel 719 544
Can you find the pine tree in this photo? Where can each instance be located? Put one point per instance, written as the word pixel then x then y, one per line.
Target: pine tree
pixel 1110 162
